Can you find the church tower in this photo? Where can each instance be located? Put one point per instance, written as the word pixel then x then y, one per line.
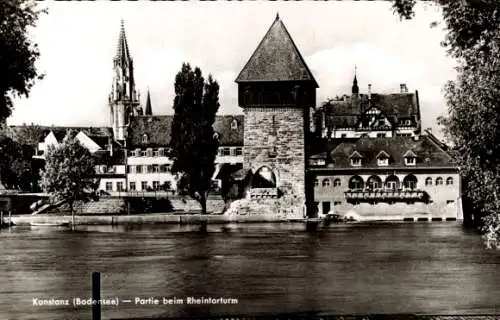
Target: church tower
pixel 276 89
pixel 123 99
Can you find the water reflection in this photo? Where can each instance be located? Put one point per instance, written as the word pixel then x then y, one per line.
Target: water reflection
pixel 269 268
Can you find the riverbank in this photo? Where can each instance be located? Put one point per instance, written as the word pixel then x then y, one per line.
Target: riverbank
pixel 170 218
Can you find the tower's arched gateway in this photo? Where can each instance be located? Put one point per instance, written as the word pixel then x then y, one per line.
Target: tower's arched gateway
pixel 276 91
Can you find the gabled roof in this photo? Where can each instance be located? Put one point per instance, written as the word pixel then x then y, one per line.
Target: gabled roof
pixel 276 58
pixel 159 129
pixel 410 154
pixel 394 107
pixel 355 154
pixel 104 157
pixel 383 155
pixel 428 154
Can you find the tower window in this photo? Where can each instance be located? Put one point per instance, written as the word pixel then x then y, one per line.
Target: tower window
pixel 234 124
pixel 144 138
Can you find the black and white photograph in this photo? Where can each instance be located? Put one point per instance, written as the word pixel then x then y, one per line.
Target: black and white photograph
pixel 250 159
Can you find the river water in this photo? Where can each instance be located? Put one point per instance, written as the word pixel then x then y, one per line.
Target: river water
pixel 269 268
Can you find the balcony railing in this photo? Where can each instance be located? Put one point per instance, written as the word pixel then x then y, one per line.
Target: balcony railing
pixel 377 194
pixel 264 193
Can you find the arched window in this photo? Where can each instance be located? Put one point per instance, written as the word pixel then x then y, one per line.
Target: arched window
pixel 264 178
pixel 316 182
pixel 449 181
pixel 439 181
pixel 374 182
pixel 428 181
pixel 392 182
pixel 356 182
pixel 325 183
pixel 337 182
pixel 234 124
pixel 410 182
pixel 144 138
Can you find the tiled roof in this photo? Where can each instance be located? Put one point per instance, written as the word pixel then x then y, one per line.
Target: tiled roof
pixel 103 157
pixel 427 152
pixel 276 59
pixel 396 107
pixel 158 130
pixel 227 135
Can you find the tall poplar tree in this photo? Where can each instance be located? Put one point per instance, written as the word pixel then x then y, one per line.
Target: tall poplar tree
pixel 193 142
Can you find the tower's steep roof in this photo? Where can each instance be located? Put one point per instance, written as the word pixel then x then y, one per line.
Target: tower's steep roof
pixel 276 59
pixel 122 51
pixel 148 110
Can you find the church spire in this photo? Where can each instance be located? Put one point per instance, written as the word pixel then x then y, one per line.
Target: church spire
pixel 148 111
pixel 355 88
pixel 122 56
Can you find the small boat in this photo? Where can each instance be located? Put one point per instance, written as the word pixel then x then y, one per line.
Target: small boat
pixel 50 224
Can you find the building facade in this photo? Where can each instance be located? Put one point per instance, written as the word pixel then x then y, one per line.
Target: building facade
pixel 363 155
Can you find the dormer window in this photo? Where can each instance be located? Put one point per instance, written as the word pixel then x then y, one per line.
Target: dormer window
pixel 410 158
pixel 356 159
pixel 383 159
pixel 144 138
pixel 234 124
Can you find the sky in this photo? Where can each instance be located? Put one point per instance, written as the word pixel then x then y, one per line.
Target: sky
pixel 77 42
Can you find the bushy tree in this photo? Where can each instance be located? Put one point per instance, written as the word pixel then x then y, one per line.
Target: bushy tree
pixel 193 143
pixel 473 120
pixel 69 172
pixel 18 53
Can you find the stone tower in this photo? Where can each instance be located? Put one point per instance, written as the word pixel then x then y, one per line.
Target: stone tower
pixel 123 99
pixel 276 90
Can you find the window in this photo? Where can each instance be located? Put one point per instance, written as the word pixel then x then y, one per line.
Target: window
pixel 383 162
pixel 428 181
pixel 381 122
pixel 239 151
pixel 109 186
pixel 410 182
pixel 130 169
pixel 343 135
pixel 163 168
pixel 337 203
pixel 374 183
pixel 138 169
pixel 234 124
pixel 316 182
pixel 149 168
pixel 356 162
pixel 119 186
pixel 144 138
pixel 226 151
pixel 143 153
pixel 410 161
pixel 104 169
pixel 144 185
pixel 156 185
pixel 132 186
pixel 325 183
pixel 450 201
pixel 161 152
pixel 156 153
pixel 356 182
pixel 336 182
pixel 449 181
pixel 149 152
pixel 439 181
pixel 156 168
pixel 380 135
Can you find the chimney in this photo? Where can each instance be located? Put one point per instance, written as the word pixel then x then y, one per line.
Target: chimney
pixel 403 88
pixel 369 91
pixel 110 146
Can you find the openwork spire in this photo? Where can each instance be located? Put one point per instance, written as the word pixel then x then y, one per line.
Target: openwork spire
pixel 122 51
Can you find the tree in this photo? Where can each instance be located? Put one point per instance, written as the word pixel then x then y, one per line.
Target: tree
pixel 473 99
pixel 18 53
pixel 193 142
pixel 69 173
pixel 18 169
